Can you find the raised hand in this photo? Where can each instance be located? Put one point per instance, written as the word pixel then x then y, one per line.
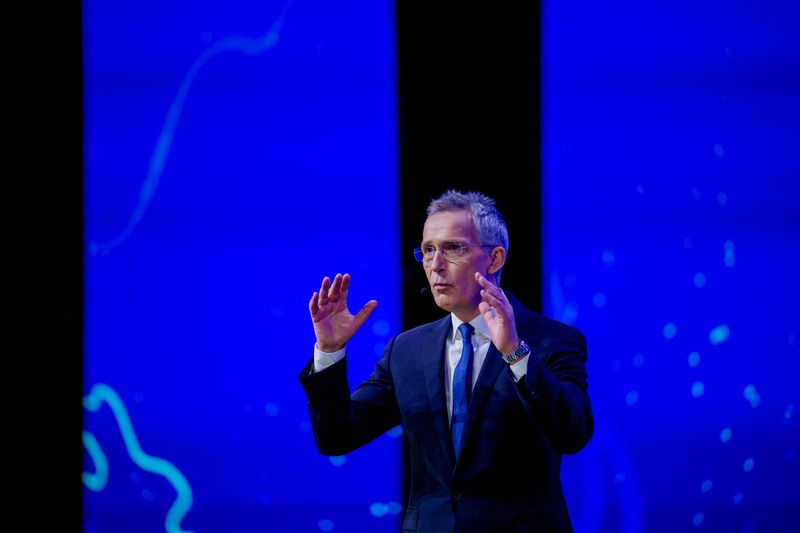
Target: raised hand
pixel 499 316
pixel 334 325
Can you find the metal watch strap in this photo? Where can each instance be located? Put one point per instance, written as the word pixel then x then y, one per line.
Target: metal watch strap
pixel 522 350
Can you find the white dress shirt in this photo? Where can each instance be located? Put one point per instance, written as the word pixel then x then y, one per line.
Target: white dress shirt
pixel 480 344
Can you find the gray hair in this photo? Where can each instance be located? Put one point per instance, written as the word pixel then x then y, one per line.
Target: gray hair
pixel 487 219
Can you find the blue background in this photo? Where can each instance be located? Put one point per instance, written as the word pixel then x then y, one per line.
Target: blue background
pixel 281 168
pixel 236 154
pixel 670 191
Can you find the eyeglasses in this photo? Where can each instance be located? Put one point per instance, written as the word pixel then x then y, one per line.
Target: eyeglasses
pixel 451 251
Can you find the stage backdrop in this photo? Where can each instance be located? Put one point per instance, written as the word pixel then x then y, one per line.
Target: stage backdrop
pixel 235 153
pixel 671 184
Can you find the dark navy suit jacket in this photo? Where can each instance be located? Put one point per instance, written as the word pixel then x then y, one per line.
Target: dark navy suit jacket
pixel 507 477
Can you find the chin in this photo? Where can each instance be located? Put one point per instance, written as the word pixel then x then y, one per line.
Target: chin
pixel 443 303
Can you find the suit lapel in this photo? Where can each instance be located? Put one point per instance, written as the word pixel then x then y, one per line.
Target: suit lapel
pixel 433 347
pixel 493 365
pixel 433 361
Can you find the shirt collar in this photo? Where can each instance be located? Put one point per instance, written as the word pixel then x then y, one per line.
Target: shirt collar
pixel 479 323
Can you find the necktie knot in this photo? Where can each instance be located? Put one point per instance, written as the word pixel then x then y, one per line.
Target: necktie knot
pixel 466 332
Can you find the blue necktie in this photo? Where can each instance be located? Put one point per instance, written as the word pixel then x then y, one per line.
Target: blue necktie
pixel 462 381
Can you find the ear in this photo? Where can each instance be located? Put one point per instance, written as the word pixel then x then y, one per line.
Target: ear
pixel 498 255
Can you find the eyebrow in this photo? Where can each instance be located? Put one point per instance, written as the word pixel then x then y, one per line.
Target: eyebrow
pixel 429 243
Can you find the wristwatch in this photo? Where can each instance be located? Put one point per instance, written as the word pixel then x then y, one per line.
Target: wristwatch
pixel 522 350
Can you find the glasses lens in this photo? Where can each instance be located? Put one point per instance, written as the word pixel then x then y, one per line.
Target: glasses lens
pixel 453 251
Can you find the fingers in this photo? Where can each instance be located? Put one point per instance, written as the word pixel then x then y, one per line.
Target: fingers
pixel 335 293
pixel 490 287
pixel 487 311
pixel 363 315
pixel 490 298
pixel 336 288
pixel 494 306
pixel 323 290
pixel 330 292
pixel 345 287
pixel 493 297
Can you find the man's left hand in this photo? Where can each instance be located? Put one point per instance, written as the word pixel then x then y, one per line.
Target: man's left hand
pixel 499 316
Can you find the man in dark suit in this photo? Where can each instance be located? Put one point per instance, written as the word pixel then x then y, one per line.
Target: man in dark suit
pixel 489 397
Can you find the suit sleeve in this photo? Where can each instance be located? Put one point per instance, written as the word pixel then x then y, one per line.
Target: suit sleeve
pixel 554 390
pixel 342 421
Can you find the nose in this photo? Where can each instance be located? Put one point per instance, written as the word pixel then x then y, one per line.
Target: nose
pixel 437 261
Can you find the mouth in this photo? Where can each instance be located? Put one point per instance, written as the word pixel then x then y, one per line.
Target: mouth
pixel 441 285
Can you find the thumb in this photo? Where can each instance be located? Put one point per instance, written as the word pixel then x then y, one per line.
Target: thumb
pixel 363 315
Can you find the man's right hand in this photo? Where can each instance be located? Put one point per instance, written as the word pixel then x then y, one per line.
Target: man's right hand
pixel 334 325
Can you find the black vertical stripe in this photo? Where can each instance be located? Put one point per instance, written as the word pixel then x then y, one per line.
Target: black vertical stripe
pixel 45 310
pixel 469 101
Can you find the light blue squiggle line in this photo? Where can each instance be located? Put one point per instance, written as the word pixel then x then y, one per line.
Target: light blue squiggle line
pixel 95 481
pixel 232 43
pixel 102 393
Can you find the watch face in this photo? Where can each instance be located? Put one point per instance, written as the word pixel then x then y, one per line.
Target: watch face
pixel 521 351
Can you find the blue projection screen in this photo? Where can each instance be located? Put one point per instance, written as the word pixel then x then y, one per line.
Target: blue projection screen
pixel 671 181
pixel 235 153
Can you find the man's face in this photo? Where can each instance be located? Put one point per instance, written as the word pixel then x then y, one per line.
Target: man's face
pixel 452 281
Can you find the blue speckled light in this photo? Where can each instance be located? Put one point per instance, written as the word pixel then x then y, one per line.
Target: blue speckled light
pixel 719 334
pixel 699 280
pixel 632 397
pixel 338 460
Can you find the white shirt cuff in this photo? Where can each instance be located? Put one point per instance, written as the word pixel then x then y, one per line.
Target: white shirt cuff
pixel 323 360
pixel 519 369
